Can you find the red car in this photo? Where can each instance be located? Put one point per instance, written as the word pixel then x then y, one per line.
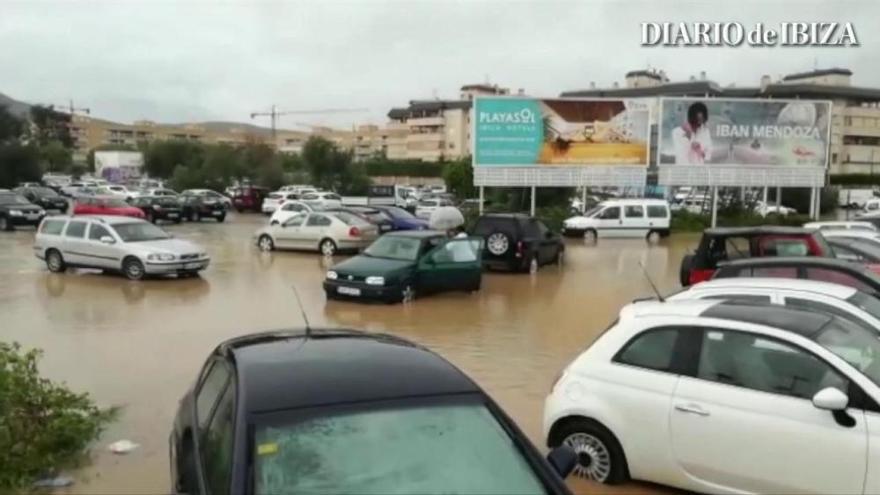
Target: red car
pixel 249 198
pixel 102 205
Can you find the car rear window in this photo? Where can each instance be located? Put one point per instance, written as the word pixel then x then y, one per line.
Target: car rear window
pixel 486 226
pixel 275 196
pixel 76 229
pixel 350 218
pixel 52 227
pixel 658 211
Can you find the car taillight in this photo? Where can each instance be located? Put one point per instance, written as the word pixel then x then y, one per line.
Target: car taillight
pixel 354 232
pixel 519 249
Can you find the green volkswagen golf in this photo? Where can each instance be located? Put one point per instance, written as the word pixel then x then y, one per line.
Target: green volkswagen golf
pixel 400 265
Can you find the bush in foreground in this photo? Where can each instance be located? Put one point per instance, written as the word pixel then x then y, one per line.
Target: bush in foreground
pixel 44 427
pixel 684 221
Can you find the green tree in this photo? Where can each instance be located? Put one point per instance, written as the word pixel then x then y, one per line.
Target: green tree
pixel 161 158
pixel 54 157
pixel 19 163
pixel 50 125
pixel 11 127
pixel 330 167
pixel 459 178
pixel 44 427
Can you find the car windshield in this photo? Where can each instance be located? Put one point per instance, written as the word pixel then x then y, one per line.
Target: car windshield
pixel 454 448
pixel 168 201
pixel 139 232
pixel 592 211
pixel 395 248
pixel 857 345
pixel 44 192
pixel 13 199
pixel 396 212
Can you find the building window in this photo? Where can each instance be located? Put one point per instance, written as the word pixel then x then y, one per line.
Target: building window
pixel 833 157
pixel 847 121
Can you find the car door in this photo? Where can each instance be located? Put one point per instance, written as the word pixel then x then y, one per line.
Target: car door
pixel 74 247
pixel 455 264
pixel 609 221
pixel 743 420
pixel 287 235
pixel 317 227
pixel 103 254
pixel 634 222
pixel 547 241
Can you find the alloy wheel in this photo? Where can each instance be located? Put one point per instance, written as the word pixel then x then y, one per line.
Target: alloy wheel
pixel 409 294
pixel 590 236
pixel 594 458
pixel 54 262
pixel 265 243
pixel 328 248
pixel 134 270
pixel 497 244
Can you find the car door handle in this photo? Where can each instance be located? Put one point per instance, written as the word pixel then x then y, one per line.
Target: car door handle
pixel 691 408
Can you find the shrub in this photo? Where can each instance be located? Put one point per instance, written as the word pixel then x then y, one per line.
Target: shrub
pixel 44 427
pixel 684 221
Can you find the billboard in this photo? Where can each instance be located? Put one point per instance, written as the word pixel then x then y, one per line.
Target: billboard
pixel 748 133
pixel 119 166
pixel 559 132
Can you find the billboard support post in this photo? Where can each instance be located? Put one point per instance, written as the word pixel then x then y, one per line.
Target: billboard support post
pixel 778 198
pixel 532 210
pixel 764 200
pixel 812 202
pixel 584 199
pixel 714 206
pixel 481 200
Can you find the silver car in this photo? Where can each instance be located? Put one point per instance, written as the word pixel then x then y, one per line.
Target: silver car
pixel 136 248
pixel 326 232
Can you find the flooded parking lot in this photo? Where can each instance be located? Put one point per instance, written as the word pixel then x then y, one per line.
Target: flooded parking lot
pixel 140 344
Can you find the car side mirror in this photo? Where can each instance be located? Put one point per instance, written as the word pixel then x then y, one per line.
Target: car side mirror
pixel 562 459
pixel 830 399
pixel 106 239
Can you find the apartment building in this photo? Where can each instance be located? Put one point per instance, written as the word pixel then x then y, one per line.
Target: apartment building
pixel 855 113
pixel 437 130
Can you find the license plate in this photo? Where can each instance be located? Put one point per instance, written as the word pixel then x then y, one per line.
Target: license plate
pixel 32 217
pixel 383 228
pixel 53 212
pixel 216 213
pixel 172 215
pixel 349 291
pixel 192 266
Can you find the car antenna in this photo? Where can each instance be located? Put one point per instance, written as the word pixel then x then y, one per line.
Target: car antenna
pixel 302 311
pixel 651 282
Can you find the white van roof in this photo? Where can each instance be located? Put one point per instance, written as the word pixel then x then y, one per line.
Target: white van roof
pixel 635 201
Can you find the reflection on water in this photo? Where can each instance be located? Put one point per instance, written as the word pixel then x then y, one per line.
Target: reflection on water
pixel 140 344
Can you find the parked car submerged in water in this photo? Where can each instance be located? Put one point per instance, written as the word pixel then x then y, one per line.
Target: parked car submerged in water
pixel 401 265
pixel 105 205
pixel 15 209
pixel 517 242
pixel 44 197
pixel 325 232
pixel 159 208
pixel 133 247
pixel 195 207
pixel 376 414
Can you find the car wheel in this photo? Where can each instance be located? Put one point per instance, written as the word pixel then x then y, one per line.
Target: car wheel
pixel 54 261
pixel 5 224
pixel 133 269
pixel 590 236
pixel 327 247
pixel 274 222
pixel 653 237
pixel 498 243
pixel 533 265
pixel 408 294
pixel 684 274
pixel 265 243
pixel 194 216
pixel 221 218
pixel 600 457
pixel 559 259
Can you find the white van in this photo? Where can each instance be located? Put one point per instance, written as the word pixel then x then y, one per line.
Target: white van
pixel 644 218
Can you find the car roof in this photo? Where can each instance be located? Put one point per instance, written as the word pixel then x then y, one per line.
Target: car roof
pixel 838 223
pixel 806 323
pixel 639 201
pixel 859 233
pixel 759 230
pixel 788 284
pixel 286 369
pixel 817 261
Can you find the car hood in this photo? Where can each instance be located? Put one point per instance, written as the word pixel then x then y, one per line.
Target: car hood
pixel 366 266
pixel 175 246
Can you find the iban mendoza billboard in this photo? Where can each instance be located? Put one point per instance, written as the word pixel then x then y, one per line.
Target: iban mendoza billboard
pixel 529 132
pixel 741 132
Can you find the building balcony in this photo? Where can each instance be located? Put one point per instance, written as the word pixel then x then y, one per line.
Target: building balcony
pixel 427 137
pixel 426 155
pixel 426 122
pixel 853 130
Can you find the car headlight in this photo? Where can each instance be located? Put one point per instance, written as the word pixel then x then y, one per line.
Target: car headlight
pixel 15 213
pixel 375 280
pixel 161 257
pixel 331 275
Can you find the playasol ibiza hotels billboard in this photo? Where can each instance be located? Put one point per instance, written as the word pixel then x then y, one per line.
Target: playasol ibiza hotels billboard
pixel 757 133
pixel 529 132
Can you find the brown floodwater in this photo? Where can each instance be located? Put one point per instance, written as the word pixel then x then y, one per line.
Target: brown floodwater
pixel 139 345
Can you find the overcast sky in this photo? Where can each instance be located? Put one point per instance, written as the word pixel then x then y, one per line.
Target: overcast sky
pixel 184 60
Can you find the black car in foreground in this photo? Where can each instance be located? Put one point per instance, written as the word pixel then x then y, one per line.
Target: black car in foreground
pixel 159 208
pixel 46 198
pixel 16 210
pixel 342 411
pixel 196 207
pixel 517 242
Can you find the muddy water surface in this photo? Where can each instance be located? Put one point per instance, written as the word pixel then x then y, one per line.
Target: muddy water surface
pixel 140 344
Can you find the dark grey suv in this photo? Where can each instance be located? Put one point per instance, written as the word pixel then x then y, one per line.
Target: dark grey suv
pixel 517 242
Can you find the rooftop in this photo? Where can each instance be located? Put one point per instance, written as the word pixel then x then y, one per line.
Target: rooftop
pixel 285 369
pixel 817 73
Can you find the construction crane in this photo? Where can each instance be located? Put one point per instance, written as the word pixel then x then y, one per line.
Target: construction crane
pixel 71 109
pixel 274 113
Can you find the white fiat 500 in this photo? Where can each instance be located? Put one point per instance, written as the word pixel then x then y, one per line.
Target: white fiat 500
pixel 724 397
